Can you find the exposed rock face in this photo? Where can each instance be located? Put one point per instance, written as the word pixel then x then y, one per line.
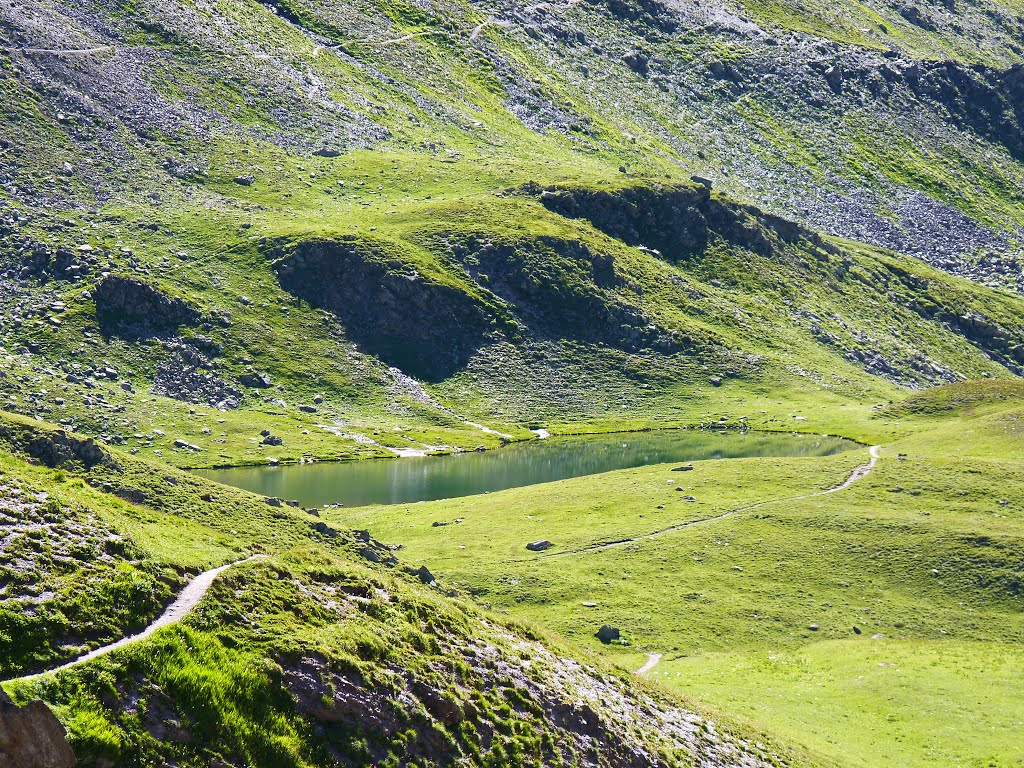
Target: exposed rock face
pixel 561 289
pixel 987 100
pixel 59 448
pixel 32 737
pixel 126 305
pixel 418 324
pixel 54 449
pixel 679 222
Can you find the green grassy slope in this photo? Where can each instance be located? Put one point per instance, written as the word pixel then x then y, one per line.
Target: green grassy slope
pixel 324 652
pixel 244 233
pixel 774 612
pixel 421 140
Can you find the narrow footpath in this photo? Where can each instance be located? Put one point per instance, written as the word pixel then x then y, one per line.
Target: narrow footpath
pixel 859 473
pixel 188 599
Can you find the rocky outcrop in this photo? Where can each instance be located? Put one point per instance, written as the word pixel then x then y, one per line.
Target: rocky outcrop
pixel 128 306
pixel 562 289
pixel 32 737
pixel 679 222
pixel 52 448
pixel 187 374
pixel 426 328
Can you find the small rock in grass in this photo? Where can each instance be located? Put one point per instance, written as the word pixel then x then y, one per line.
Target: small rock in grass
pixel 813 627
pixel 684 468
pixel 325 529
pixel 540 545
pixel 607 633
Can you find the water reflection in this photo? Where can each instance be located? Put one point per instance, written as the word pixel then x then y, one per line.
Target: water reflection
pixel 397 481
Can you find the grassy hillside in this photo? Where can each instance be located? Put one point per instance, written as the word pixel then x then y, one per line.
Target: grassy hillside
pixel 243 233
pixel 264 210
pixel 326 651
pixel 844 621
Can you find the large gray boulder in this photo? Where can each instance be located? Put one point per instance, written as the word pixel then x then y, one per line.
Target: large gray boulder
pixel 32 737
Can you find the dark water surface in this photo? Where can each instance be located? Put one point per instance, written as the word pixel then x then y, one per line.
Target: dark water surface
pixel 397 481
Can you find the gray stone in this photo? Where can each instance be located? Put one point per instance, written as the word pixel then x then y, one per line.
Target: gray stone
pixel 32 737
pixel 607 634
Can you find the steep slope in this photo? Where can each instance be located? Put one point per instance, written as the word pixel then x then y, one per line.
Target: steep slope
pixel 900 125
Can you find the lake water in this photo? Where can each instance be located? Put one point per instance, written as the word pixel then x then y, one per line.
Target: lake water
pixel 398 481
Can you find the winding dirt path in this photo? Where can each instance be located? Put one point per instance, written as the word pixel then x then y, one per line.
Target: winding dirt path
pixel 651 663
pixel 190 596
pixel 859 473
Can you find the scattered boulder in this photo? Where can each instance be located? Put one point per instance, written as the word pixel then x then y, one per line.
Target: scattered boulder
pixel 256 380
pixel 607 633
pixel 326 530
pixel 273 440
pixel 246 180
pixel 684 468
pixel 540 545
pixel 424 575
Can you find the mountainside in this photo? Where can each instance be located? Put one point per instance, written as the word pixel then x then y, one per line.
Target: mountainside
pixel 240 233
pixel 514 181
